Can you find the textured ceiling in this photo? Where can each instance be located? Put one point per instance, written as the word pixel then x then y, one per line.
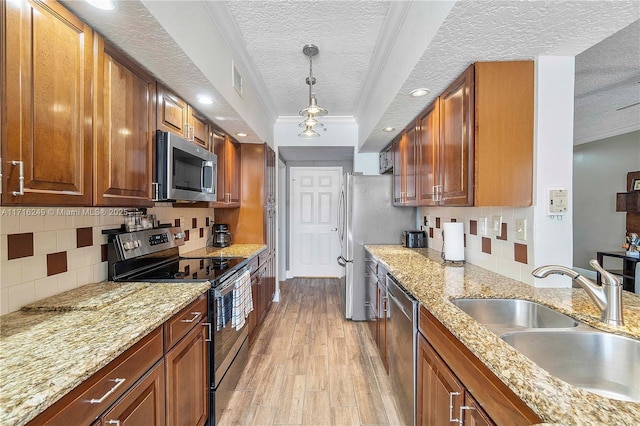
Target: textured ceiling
pixel 349 34
pixel 607 79
pixel 346 33
pixel 488 31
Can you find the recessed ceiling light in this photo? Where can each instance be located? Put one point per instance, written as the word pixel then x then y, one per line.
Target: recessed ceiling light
pixel 102 4
pixel 241 134
pixel 388 129
pixel 419 92
pixel 219 118
pixel 203 99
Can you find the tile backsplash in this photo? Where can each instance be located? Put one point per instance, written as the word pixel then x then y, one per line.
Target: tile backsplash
pixel 501 252
pixel 48 250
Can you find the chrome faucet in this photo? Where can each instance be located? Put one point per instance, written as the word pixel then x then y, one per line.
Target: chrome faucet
pixel 607 297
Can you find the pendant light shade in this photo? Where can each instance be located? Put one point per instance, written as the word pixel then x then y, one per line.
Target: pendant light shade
pixel 312 110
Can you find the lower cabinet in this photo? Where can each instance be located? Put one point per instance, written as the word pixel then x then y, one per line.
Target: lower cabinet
pixel 454 386
pixel 186 367
pixel 262 291
pixel 161 380
pixel 376 306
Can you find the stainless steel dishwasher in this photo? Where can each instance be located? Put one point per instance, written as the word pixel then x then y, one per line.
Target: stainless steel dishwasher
pixel 401 337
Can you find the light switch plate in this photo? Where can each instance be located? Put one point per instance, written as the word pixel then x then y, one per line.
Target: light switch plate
pixel 521 229
pixel 482 226
pixel 496 224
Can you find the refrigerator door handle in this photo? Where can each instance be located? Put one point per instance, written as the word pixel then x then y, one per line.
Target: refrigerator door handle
pixel 342 261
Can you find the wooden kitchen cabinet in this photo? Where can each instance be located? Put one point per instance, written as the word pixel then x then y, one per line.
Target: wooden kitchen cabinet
pixel 143 404
pixel 124 117
pixel 404 168
pixel 172 112
pixel 376 306
pixel 385 160
pixel 229 169
pixel 476 139
pixel 448 373
pixel 187 384
pixel 198 128
pixel 47 58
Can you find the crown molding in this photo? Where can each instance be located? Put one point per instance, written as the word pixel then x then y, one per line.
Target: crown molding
pixel 226 24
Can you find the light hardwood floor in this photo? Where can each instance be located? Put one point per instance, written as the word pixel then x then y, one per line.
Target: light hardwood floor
pixel 310 366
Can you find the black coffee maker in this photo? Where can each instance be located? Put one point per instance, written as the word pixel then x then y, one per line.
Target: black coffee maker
pixel 221 235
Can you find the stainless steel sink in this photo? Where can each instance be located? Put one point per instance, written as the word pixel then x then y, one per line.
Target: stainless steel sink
pixel 498 315
pixel 602 363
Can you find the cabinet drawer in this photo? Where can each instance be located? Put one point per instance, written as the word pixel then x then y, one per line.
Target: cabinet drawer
pixel 180 324
pixel 263 257
pixel 88 401
pixel 253 264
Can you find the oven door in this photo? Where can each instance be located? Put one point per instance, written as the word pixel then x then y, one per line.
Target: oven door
pixel 226 340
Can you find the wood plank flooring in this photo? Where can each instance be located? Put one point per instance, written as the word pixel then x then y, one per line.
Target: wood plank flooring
pixel 310 366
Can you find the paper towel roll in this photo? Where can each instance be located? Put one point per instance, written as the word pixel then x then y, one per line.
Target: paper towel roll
pixel 453 245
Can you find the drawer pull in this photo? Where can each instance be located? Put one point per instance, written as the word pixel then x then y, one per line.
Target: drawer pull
pixel 462 408
pixel 208 325
pixel 113 422
pixel 451 419
pixel 109 392
pixel 196 315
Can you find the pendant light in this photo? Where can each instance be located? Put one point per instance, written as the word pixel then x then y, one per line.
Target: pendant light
pixel 313 110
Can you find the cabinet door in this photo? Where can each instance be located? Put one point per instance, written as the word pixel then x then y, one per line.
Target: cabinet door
pixel 457 141
pixel 473 414
pixel 218 147
pixel 47 123
pixel 232 181
pixel 173 113
pixel 187 379
pixel 439 392
pixel 125 121
pixel 398 188
pixel 382 324
pixel 143 405
pixel 428 142
pixel 198 128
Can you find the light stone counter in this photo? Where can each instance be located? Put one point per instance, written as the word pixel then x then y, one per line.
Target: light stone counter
pixel 422 273
pixel 234 250
pixel 44 354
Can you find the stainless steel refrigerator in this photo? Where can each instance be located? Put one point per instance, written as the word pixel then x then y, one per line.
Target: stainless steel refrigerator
pixel 366 215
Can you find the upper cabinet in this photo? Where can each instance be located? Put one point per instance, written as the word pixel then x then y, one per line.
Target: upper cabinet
pixel 404 168
pixel 173 113
pixel 475 141
pixel 180 118
pixel 48 63
pixel 228 153
pixel 125 123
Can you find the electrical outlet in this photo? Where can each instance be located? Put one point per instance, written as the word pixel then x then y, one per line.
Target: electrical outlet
pixel 496 224
pixel 521 229
pixel 482 226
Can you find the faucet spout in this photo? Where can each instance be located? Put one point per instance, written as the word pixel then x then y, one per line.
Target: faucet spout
pixel 607 297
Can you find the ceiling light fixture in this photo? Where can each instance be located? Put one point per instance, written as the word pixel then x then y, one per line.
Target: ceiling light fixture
pixel 416 93
pixel 102 4
pixel 313 110
pixel 388 129
pixel 241 134
pixel 204 99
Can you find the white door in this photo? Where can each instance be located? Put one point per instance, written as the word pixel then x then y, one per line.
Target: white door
pixel 314 221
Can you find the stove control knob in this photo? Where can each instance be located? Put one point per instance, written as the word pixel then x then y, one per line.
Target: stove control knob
pixel 178 235
pixel 128 245
pixel 136 243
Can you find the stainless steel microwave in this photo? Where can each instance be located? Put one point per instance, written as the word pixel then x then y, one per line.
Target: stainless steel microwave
pixel 184 170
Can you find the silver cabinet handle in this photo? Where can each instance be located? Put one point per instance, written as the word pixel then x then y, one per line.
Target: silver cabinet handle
pixel 155 191
pixel 208 325
pixel 113 422
pixel 109 392
pixel 20 190
pixel 195 317
pixel 451 395
pixel 464 407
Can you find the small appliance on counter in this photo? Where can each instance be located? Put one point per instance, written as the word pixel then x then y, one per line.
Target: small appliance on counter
pixel 414 239
pixel 221 235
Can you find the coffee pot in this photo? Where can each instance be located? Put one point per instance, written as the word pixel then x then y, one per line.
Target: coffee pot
pixel 221 235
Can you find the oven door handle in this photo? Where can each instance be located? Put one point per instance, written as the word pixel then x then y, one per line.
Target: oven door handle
pixel 226 288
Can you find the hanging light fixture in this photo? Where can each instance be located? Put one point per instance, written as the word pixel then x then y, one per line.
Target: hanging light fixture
pixel 313 110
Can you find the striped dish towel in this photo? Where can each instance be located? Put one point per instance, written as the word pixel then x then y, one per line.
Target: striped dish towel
pixel 242 300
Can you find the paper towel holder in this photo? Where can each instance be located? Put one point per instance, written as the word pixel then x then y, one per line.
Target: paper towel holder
pixel 446 260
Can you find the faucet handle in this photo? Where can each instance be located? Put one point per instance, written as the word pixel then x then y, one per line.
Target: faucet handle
pixel 607 277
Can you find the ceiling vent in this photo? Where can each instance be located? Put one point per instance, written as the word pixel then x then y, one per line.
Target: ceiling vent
pixel 237 79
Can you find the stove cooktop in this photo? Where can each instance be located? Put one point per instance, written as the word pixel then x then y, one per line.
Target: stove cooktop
pixel 212 269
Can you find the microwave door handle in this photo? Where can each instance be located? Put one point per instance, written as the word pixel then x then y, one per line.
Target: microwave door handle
pixel 207 186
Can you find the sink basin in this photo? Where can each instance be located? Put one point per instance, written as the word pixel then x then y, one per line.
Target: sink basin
pixel 501 314
pixel 602 363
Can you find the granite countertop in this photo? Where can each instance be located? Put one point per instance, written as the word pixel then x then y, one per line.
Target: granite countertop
pixel 422 273
pixel 234 250
pixel 47 351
